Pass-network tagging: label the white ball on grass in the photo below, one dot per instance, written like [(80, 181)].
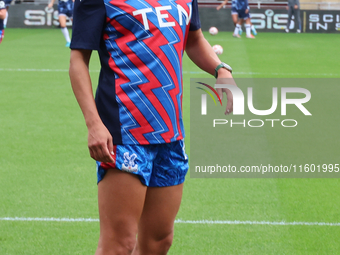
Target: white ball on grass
[(213, 31), (218, 49)]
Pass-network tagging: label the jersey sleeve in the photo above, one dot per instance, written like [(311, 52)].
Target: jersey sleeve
[(195, 23), (88, 24)]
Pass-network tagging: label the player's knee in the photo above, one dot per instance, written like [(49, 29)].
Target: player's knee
[(117, 244), (160, 245), (126, 245), (166, 243)]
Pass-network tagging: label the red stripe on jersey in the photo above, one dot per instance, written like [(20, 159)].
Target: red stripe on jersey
[(145, 125)]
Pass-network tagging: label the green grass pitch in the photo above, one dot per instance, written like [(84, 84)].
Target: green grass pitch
[(46, 171)]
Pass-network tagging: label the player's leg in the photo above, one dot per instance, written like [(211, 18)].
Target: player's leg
[(240, 29), (248, 28), (7, 3), (290, 13), (6, 18), (237, 28), (162, 201), (234, 17), (121, 198), (297, 19), (64, 30), (253, 29), (156, 226)]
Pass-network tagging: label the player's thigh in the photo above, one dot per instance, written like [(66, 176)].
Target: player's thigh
[(121, 199), (160, 209)]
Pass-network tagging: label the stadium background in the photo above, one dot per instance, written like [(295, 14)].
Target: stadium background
[(269, 16)]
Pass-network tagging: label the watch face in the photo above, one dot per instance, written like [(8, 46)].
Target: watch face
[(223, 65), (226, 66)]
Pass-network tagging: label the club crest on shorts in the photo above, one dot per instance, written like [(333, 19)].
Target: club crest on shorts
[(129, 164)]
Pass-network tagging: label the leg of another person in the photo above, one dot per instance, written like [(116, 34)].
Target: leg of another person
[(64, 30)]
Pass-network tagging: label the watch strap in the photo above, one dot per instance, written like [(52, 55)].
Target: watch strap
[(222, 65)]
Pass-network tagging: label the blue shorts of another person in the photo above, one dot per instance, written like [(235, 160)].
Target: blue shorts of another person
[(8, 2), (234, 10), (66, 8), (242, 14)]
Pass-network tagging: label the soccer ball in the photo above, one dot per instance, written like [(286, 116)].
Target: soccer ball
[(213, 31), (218, 49)]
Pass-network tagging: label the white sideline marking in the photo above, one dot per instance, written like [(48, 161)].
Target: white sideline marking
[(37, 70), (184, 72), (49, 219), (238, 222), (220, 222), (32, 70), (257, 73)]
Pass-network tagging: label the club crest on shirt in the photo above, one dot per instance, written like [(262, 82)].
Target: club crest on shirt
[(129, 164)]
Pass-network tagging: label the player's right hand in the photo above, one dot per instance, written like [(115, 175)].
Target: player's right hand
[(100, 143), (225, 77)]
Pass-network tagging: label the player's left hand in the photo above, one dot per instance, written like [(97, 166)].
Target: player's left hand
[(296, 6), (246, 11), (225, 77)]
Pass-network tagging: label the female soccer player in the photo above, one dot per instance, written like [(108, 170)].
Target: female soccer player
[(135, 124), (65, 9), (240, 14)]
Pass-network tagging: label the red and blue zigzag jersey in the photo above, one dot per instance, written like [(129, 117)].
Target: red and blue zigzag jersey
[(140, 45)]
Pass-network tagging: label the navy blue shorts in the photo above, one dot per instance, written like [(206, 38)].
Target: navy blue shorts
[(66, 8), (8, 2), (242, 14), (233, 10), (156, 165)]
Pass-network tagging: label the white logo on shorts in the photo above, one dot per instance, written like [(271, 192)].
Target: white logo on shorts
[(129, 164)]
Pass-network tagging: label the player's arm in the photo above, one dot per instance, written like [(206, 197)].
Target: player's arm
[(221, 5), (2, 10), (99, 138), (201, 53), (50, 5), (247, 6), (3, 13)]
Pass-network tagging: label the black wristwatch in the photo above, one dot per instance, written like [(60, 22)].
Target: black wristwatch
[(222, 65)]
